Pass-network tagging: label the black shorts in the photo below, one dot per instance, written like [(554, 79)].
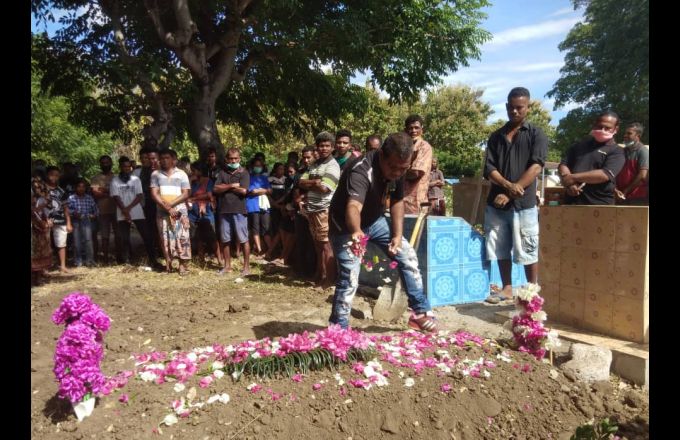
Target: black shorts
[(203, 230), (259, 223)]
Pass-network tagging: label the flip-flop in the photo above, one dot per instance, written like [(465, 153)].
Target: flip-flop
[(497, 298)]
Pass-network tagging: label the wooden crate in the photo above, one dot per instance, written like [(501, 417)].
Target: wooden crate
[(594, 265)]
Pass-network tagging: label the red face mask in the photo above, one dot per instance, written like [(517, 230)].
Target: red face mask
[(601, 135)]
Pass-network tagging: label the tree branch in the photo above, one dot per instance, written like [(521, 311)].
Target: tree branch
[(185, 25), (254, 57), (154, 14)]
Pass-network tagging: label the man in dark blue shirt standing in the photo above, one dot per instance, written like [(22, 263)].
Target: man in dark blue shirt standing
[(515, 155)]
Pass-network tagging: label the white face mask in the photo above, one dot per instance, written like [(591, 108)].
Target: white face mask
[(629, 143)]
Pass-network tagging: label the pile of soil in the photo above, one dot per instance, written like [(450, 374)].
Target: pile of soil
[(522, 399)]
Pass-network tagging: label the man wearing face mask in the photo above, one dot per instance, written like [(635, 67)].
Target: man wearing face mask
[(589, 169), (631, 183)]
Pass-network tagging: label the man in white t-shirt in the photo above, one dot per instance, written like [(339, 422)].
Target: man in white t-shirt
[(170, 190), (126, 191)]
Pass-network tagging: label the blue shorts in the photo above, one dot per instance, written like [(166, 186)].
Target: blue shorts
[(233, 224), (509, 230)]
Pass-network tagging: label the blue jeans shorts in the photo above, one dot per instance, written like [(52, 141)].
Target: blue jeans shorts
[(511, 233), (233, 224)]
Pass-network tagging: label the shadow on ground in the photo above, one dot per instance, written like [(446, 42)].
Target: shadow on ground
[(483, 311), (57, 410), (275, 329)]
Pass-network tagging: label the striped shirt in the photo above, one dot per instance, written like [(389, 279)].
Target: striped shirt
[(329, 170)]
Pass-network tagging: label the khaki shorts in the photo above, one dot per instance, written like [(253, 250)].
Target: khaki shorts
[(60, 234), (318, 225)]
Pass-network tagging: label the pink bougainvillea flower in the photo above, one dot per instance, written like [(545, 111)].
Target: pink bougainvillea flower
[(445, 388), (123, 398), (206, 381), (526, 368), (393, 264), (316, 386), (297, 378)]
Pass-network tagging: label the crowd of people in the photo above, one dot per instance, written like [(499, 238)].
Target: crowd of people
[(210, 209), (328, 195)]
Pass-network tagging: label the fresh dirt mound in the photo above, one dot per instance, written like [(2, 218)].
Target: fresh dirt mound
[(150, 312)]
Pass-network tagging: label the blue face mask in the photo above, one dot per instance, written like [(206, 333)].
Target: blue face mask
[(233, 166), (257, 170)]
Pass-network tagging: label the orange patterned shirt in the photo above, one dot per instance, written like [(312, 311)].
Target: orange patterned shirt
[(415, 191)]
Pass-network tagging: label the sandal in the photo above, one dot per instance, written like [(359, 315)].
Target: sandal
[(425, 323), (497, 298)]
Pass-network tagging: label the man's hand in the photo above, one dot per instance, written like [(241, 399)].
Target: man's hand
[(619, 194), (573, 190), (501, 200), (568, 180), (516, 190), (126, 214), (69, 227), (394, 247)]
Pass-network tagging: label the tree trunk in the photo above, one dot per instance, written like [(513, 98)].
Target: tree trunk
[(203, 125)]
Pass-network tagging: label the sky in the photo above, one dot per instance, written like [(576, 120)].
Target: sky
[(523, 52)]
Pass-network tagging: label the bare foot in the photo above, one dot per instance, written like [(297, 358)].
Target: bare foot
[(245, 272), (64, 270), (224, 271)]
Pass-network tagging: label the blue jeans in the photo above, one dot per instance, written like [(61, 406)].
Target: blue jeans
[(82, 241), (349, 266)]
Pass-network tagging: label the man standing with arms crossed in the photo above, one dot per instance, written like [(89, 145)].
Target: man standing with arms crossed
[(417, 178), (515, 155)]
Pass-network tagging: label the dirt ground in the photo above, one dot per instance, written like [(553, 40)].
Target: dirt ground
[(522, 399)]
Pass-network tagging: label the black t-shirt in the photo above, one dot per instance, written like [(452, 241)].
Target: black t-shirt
[(589, 155), (231, 202), (529, 146), (363, 181)]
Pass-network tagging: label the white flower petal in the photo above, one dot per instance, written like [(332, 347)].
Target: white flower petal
[(170, 419)]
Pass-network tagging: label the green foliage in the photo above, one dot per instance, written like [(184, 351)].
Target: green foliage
[(606, 67), (602, 431), (55, 139), (260, 67), (455, 126), (278, 366)]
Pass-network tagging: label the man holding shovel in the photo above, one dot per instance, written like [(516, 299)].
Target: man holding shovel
[(357, 216)]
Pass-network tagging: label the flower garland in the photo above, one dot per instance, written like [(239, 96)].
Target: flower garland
[(79, 350), (527, 323)]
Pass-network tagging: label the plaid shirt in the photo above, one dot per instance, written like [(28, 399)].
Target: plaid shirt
[(84, 206)]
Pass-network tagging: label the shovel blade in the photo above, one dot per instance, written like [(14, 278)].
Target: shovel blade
[(391, 304)]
